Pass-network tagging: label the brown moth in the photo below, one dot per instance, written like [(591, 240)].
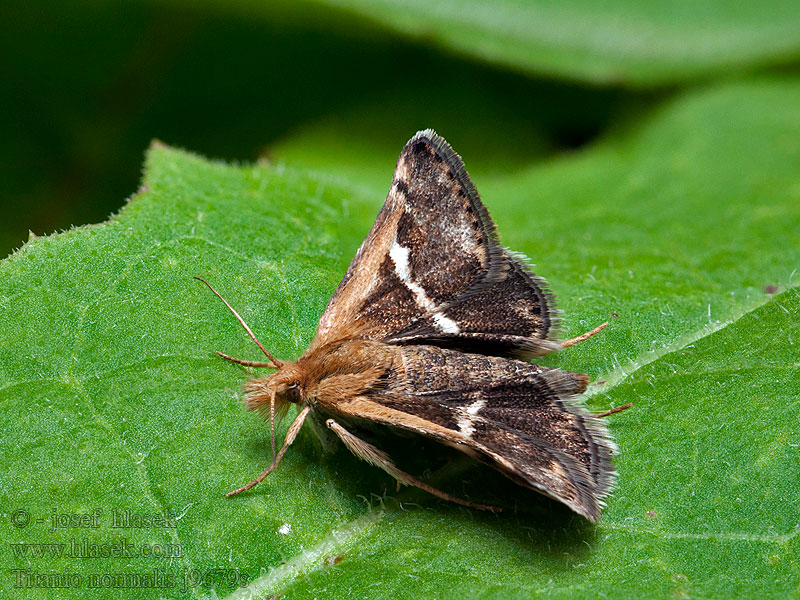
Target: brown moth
[(428, 332)]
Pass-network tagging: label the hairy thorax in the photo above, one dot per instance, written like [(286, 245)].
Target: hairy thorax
[(335, 372)]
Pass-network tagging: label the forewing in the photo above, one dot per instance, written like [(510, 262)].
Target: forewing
[(520, 418), (512, 314), (431, 267), (404, 270)]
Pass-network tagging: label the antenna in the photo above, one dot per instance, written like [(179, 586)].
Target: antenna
[(273, 363)]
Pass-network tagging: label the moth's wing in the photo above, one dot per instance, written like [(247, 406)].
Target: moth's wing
[(431, 268), (511, 315), (519, 418)]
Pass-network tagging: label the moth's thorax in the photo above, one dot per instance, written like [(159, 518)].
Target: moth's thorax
[(345, 357), (359, 363)]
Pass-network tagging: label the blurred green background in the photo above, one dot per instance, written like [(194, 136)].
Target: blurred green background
[(88, 85)]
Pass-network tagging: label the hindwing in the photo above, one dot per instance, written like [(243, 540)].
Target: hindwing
[(520, 418)]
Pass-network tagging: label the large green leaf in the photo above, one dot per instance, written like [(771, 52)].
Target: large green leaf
[(620, 42), (680, 227)]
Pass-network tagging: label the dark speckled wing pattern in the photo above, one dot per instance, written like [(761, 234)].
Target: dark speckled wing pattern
[(517, 417), (431, 269)]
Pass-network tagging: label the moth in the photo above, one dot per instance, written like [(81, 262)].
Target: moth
[(429, 332)]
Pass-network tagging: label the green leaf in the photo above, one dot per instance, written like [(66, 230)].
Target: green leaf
[(111, 398), (621, 42)]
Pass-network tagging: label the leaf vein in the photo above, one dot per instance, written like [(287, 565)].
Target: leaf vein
[(731, 536), (621, 373), (311, 559)]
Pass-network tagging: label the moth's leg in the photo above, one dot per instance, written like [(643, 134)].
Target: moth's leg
[(614, 410), (584, 337), (246, 363), (294, 429), (369, 453)]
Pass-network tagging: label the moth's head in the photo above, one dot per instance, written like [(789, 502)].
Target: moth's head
[(275, 392)]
